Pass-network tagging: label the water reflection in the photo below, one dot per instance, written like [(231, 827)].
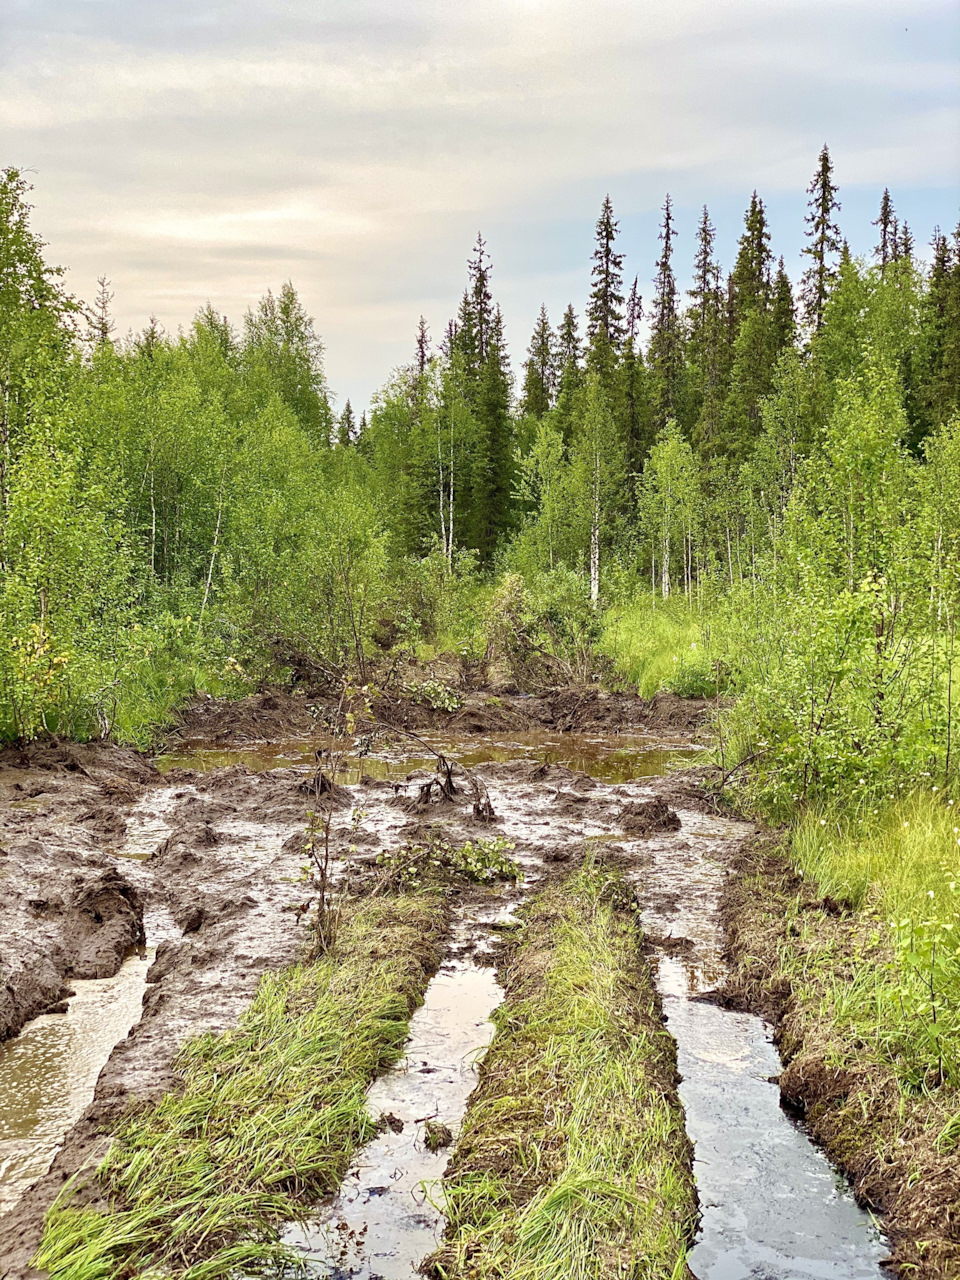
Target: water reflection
[(610, 758)]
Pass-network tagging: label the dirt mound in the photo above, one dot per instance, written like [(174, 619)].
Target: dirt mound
[(261, 717), (279, 714), (61, 920), (648, 817)]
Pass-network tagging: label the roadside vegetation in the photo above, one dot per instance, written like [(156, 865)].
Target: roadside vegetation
[(573, 1160), (268, 1116)]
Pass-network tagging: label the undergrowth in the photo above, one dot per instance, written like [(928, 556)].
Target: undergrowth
[(573, 1160), (267, 1119), (412, 866), (659, 645), (898, 863)]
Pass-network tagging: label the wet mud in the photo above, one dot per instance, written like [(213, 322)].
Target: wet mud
[(388, 1215), (201, 860)]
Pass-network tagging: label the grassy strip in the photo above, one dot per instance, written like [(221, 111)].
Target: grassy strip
[(855, 1021), (573, 1163), (268, 1117)]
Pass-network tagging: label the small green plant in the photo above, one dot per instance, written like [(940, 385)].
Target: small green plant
[(414, 866), (433, 693)]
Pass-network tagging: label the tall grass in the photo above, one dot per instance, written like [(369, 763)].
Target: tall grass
[(658, 644), (898, 863), (267, 1119), (573, 1163)]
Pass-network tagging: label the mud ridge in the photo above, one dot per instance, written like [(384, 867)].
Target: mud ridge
[(856, 1109)]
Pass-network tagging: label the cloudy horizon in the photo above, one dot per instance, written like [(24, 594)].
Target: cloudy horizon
[(207, 152)]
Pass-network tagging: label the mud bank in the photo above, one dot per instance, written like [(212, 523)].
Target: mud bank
[(787, 946), (216, 883), (279, 715), (69, 911)]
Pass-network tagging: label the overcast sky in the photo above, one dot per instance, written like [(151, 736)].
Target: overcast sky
[(195, 149)]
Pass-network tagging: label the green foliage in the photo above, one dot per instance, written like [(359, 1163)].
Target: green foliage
[(414, 866), (898, 860), (433, 693), (657, 644)]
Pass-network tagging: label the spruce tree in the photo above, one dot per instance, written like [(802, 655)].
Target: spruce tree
[(824, 237), (481, 299), (754, 352), (939, 354), (706, 340), (346, 426), (569, 347), (492, 479), (634, 311), (887, 226), (605, 332), (783, 320), (423, 347), (665, 356), (540, 370), (570, 368), (101, 326), (750, 280)]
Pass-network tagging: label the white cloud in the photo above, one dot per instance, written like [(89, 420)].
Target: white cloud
[(203, 150)]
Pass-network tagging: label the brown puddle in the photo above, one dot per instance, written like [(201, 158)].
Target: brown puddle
[(48, 1072), (630, 756)]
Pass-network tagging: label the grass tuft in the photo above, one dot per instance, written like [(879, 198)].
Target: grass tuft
[(573, 1163), (268, 1117)]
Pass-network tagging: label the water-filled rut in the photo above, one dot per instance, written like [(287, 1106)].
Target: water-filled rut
[(213, 849)]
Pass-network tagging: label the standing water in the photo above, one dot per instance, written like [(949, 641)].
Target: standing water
[(48, 1072), (388, 1214), (772, 1207)]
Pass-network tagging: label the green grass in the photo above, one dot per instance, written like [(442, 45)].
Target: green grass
[(573, 1163), (268, 1117), (899, 865), (658, 644)]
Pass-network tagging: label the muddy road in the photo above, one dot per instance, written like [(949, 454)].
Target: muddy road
[(148, 897)]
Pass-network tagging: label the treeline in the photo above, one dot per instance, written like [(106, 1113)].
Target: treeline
[(188, 511), (171, 512)]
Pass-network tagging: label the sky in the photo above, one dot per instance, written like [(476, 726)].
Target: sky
[(196, 150)]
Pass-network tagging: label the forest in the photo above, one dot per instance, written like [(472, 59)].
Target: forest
[(746, 492)]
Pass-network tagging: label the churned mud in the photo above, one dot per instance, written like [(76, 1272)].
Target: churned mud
[(199, 858)]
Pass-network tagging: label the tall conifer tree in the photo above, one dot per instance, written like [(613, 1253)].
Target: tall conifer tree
[(886, 224), (540, 369), (823, 234), (666, 342), (605, 332), (423, 347)]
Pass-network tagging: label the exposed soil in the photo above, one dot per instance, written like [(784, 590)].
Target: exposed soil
[(278, 714), (69, 911), (885, 1140), (208, 866)]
